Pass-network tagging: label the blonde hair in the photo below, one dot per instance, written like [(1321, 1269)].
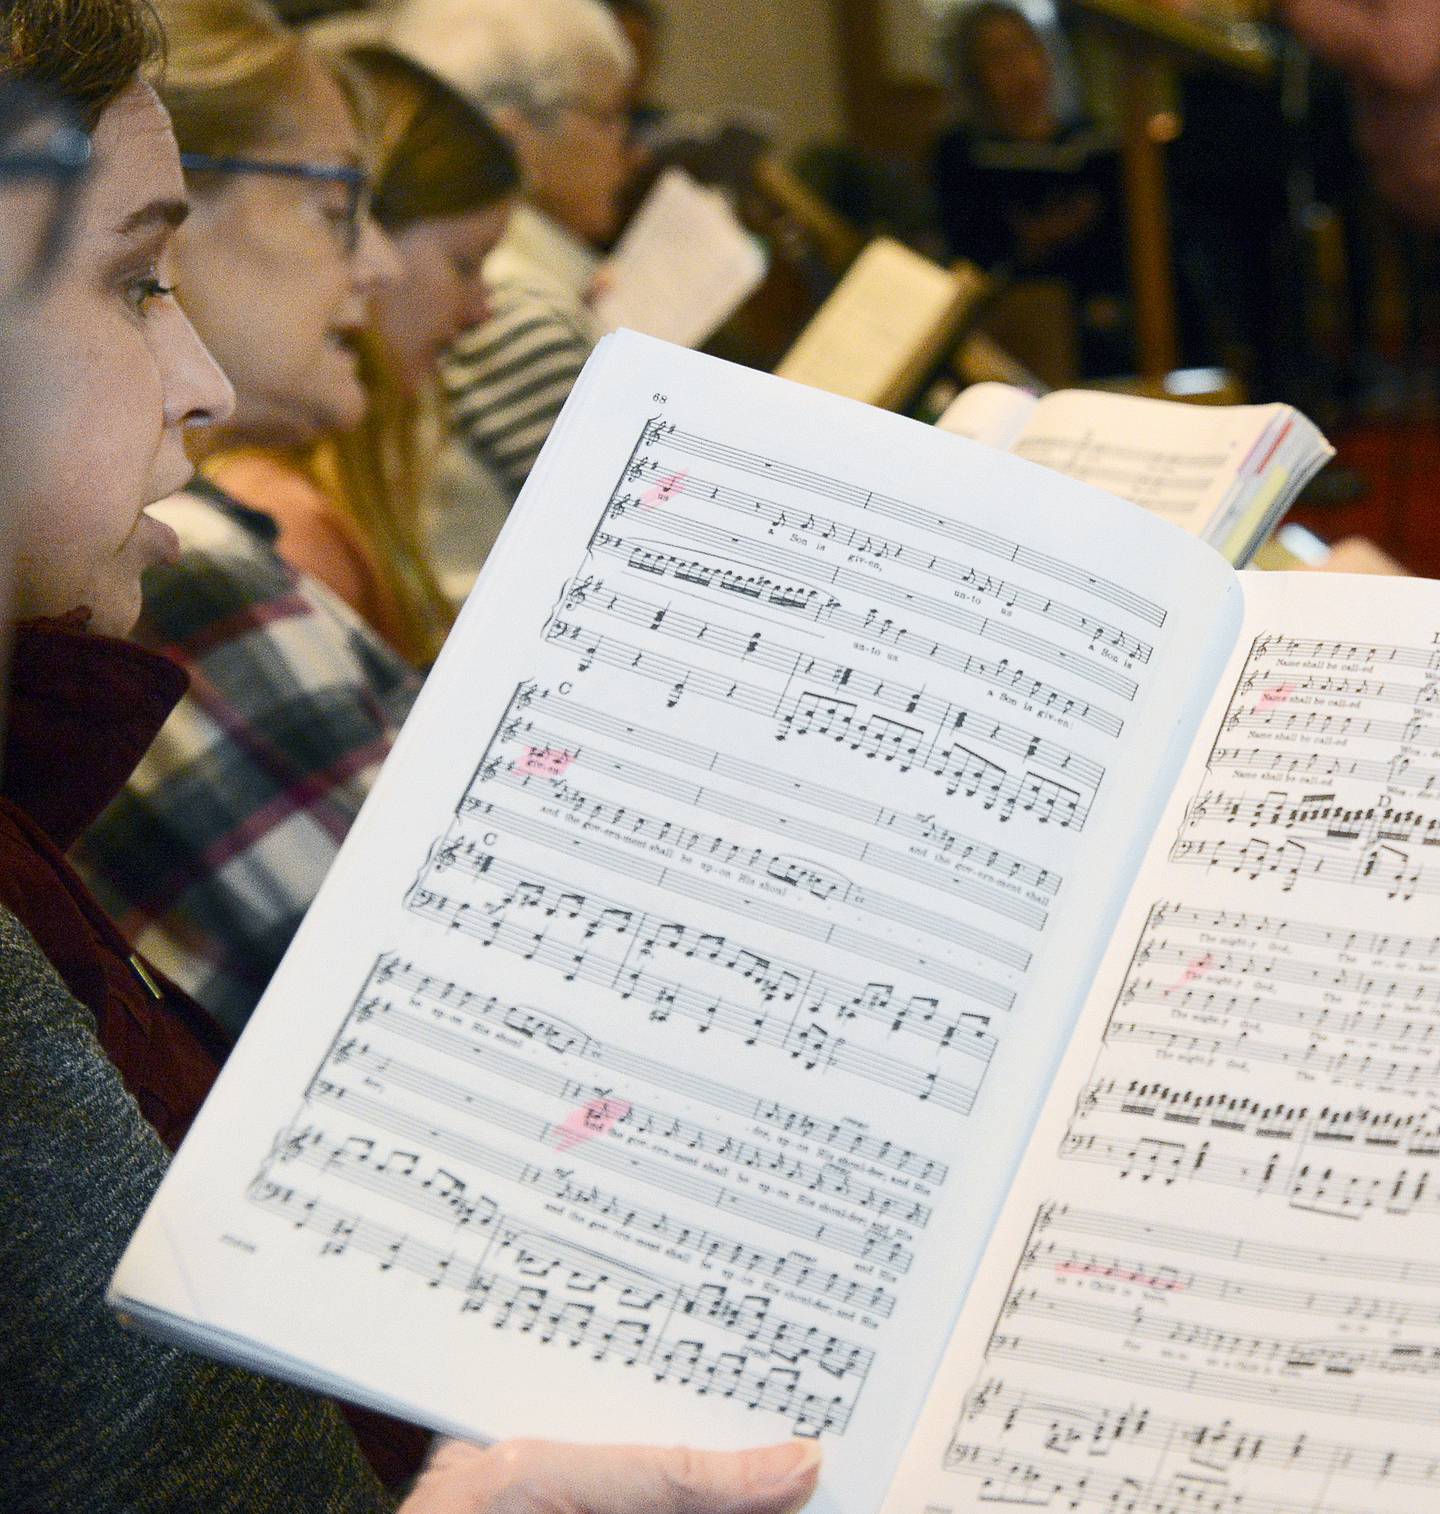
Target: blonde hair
[(237, 78), (233, 74)]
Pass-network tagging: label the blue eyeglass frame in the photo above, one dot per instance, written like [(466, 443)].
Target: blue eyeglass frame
[(355, 179)]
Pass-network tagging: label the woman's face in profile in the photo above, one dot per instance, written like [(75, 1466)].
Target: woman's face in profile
[(113, 375), (579, 162), (277, 282), (443, 292)]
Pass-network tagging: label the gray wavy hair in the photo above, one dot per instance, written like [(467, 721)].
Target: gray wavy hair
[(533, 55)]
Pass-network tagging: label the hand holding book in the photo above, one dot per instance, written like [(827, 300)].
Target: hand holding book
[(543, 1477)]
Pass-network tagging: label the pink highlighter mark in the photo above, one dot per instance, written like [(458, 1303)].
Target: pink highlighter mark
[(545, 761), (1197, 969), (1121, 1275), (597, 1118), (1277, 694), (663, 492)]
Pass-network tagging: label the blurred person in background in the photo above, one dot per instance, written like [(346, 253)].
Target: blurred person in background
[(222, 837), (348, 502), (556, 77), (104, 1063), (1022, 190)]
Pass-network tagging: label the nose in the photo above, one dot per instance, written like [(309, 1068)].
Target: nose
[(197, 393), (375, 265)]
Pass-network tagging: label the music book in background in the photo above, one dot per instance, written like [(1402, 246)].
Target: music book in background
[(864, 937), (890, 321), (683, 267), (1227, 474)]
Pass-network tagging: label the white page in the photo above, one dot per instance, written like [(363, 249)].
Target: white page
[(993, 414), (683, 267), (886, 322), (1215, 1285), (1180, 462), (685, 991)]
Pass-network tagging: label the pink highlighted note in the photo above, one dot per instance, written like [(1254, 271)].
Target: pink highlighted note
[(1275, 695), (664, 491), (1121, 1275), (545, 762), (1197, 969), (597, 1118)]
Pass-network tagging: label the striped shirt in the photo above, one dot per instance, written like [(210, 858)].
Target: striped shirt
[(506, 380)]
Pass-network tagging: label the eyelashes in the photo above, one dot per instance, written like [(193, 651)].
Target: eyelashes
[(147, 288)]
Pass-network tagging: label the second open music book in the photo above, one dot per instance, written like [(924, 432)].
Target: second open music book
[(864, 937)]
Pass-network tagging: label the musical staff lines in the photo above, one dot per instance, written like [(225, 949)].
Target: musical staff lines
[(386, 1114), (800, 997), (659, 432), (1211, 999), (555, 726), (1333, 784), (1101, 1298), (557, 1290), (600, 915), (817, 879), (723, 574), (1103, 1432), (448, 1005), (821, 710), (623, 864), (437, 1108)]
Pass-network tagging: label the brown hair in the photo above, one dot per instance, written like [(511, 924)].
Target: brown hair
[(83, 52), (436, 155)]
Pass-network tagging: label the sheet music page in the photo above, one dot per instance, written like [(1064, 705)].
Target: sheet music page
[(994, 414), (684, 265), (1216, 1284), (1179, 461), (656, 1057)]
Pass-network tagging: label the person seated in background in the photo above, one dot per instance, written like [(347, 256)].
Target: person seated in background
[(102, 1061), (555, 77), (350, 504), (1023, 192), (221, 839)]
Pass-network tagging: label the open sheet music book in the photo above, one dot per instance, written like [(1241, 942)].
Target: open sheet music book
[(866, 937), (1227, 474), (890, 320), (683, 267)]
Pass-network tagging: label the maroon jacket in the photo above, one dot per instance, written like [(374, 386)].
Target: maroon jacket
[(83, 709)]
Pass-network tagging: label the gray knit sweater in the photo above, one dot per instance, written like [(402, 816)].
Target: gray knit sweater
[(94, 1418)]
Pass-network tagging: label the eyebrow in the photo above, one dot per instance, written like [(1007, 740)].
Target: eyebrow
[(156, 214)]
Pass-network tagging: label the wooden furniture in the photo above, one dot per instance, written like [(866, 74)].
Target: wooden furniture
[(1152, 43)]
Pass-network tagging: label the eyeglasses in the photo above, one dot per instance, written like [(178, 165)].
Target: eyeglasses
[(44, 160), (355, 180)]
